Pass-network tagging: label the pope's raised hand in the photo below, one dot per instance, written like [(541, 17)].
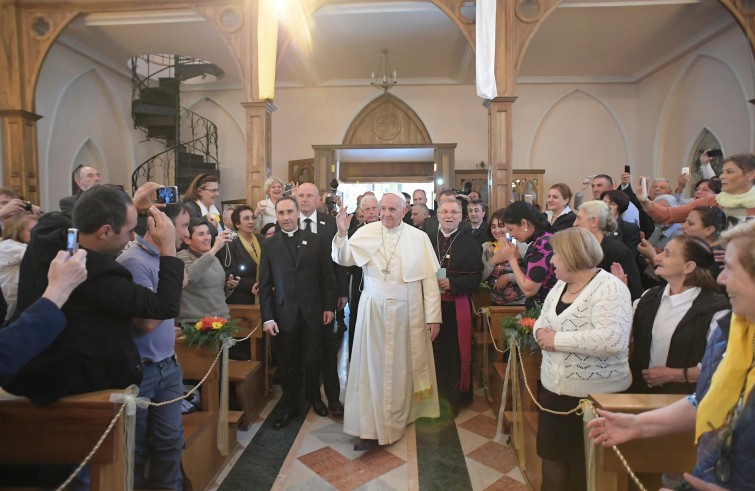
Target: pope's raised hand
[(343, 220)]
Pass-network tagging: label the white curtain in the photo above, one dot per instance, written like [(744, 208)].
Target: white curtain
[(485, 49)]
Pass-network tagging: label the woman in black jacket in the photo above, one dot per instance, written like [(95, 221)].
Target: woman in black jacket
[(560, 215), (672, 321)]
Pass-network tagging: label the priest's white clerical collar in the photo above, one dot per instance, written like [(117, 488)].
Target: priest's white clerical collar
[(395, 229), (447, 235), (290, 234)]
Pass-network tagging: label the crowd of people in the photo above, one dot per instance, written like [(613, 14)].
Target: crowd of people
[(628, 264)]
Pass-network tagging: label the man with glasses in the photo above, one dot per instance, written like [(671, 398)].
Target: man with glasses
[(460, 272)]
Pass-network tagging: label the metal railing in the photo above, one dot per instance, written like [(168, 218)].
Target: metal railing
[(194, 134)]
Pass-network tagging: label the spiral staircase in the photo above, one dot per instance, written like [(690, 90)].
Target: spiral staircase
[(190, 140)]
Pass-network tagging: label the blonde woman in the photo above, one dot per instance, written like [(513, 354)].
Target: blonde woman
[(583, 331), (265, 210)]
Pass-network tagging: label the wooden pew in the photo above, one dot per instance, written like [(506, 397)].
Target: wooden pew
[(201, 458), (649, 457), (64, 433), (249, 376)]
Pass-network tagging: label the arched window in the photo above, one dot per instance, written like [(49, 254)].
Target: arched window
[(705, 141)]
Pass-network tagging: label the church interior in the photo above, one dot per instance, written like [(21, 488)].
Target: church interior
[(370, 91)]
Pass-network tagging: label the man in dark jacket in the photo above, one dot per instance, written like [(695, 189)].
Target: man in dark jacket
[(297, 298), (97, 350)]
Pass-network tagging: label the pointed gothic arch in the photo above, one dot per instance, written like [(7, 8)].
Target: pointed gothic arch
[(387, 120)]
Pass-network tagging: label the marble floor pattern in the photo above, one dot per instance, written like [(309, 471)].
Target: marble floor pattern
[(453, 455), (322, 457)]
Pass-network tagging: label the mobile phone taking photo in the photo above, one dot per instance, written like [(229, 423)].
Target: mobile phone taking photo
[(72, 241)]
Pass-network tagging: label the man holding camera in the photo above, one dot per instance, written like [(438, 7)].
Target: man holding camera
[(97, 350)]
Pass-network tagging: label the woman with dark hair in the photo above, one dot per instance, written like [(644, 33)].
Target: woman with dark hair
[(242, 256), (707, 222), (705, 188), (618, 203), (268, 230), (208, 285), (560, 215), (595, 217), (503, 288), (532, 271), (672, 322), (736, 199), (201, 197)]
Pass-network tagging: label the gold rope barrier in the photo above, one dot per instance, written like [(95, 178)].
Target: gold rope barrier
[(155, 404)]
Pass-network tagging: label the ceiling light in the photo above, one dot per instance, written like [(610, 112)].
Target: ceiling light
[(384, 77)]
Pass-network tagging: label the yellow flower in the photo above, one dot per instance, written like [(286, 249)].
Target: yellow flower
[(217, 325), (198, 326)]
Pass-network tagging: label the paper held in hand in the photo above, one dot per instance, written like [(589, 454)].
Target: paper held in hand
[(440, 275)]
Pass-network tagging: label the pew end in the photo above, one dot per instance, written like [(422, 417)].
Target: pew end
[(648, 458), (64, 433)]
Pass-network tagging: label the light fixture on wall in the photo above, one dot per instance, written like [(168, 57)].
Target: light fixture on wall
[(384, 77)]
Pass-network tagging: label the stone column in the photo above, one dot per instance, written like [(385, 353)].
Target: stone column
[(19, 133), (499, 150), (258, 147)]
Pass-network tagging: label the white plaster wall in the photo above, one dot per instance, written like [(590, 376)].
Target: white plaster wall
[(83, 101), (306, 117), (224, 109), (571, 130), (707, 88)]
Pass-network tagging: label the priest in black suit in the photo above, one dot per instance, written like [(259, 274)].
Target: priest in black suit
[(297, 298), (460, 258)]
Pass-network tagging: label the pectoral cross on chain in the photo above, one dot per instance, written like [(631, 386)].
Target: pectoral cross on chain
[(385, 272)]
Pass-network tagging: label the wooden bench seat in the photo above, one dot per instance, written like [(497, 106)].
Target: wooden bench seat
[(64, 433)]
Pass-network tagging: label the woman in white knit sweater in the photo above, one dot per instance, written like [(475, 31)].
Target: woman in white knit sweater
[(583, 331)]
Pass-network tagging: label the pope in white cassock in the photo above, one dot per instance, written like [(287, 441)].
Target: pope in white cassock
[(391, 379)]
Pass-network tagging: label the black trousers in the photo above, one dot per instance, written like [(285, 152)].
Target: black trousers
[(298, 354)]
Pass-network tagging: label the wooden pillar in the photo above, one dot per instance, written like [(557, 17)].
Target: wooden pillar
[(445, 164), (499, 150), (19, 130), (324, 165), (258, 147)]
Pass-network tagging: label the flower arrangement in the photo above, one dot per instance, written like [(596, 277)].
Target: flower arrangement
[(520, 328), (208, 330)]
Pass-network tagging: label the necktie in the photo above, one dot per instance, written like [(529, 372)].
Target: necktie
[(308, 225)]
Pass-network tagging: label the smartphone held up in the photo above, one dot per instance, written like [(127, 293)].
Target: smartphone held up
[(72, 241)]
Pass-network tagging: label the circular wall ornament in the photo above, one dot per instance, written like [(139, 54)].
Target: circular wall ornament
[(528, 10), (231, 19), (387, 126), (41, 27), (467, 11)]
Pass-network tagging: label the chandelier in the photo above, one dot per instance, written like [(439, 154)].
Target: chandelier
[(384, 78)]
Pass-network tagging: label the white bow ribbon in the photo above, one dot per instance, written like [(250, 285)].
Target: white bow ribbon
[(131, 401)]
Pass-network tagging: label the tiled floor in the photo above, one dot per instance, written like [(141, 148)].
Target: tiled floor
[(322, 455)]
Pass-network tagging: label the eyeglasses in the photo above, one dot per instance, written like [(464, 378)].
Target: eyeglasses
[(213, 191)]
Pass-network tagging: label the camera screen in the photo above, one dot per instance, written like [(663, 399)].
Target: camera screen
[(167, 195)]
